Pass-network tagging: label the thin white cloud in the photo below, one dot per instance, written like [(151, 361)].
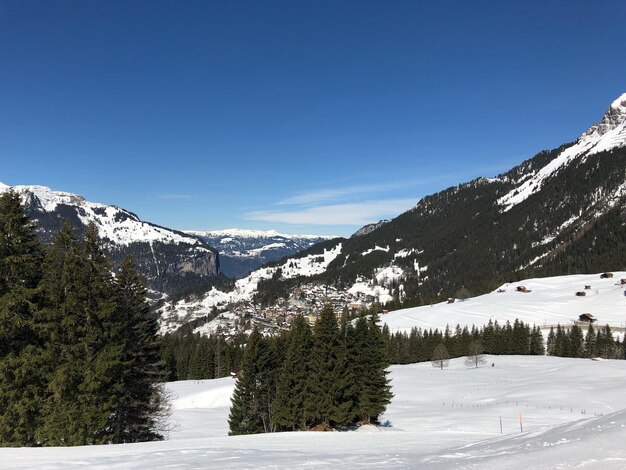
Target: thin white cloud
[(325, 195), (360, 213), (175, 196)]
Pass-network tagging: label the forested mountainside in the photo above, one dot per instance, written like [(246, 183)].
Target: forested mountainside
[(560, 212)]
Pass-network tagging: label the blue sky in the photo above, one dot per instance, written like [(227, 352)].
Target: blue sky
[(301, 116)]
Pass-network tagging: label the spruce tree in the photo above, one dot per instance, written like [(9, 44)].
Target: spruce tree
[(327, 400), (138, 402), (290, 392), (248, 410), (537, 347), (21, 381), (63, 314), (590, 342), (378, 384)]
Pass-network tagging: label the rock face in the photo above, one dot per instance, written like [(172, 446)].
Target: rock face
[(369, 228), (172, 262)]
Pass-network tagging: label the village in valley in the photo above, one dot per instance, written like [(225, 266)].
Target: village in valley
[(306, 300)]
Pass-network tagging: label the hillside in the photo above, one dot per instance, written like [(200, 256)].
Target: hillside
[(437, 420), (550, 301)]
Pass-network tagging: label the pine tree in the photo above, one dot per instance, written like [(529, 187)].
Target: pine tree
[(63, 314), (290, 392), (378, 387), (576, 342), (21, 383), (249, 404), (537, 347), (138, 401), (327, 401)]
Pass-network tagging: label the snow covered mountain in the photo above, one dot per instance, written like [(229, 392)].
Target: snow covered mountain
[(242, 251), (560, 212), (610, 133), (171, 261)]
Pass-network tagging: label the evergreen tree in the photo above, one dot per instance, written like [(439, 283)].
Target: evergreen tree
[(576, 342), (290, 392), (21, 381), (65, 304), (326, 388), (590, 342), (249, 411), (537, 347), (377, 386), (138, 402)]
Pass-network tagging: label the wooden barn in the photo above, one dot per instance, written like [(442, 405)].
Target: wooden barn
[(588, 318)]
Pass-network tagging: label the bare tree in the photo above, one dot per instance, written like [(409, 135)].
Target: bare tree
[(441, 358), (475, 356), (463, 294)]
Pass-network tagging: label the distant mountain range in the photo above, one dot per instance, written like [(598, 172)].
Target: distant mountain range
[(242, 251)]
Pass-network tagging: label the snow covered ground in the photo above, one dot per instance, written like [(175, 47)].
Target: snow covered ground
[(552, 300), (573, 415)]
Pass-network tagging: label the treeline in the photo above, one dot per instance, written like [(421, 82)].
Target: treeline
[(79, 358), (332, 376), (196, 357), (573, 342), (419, 345)]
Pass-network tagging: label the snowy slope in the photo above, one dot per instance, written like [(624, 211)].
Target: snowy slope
[(164, 256), (552, 300), (116, 225), (573, 415), (608, 134)]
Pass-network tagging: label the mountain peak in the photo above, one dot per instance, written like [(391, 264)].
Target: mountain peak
[(609, 133), (620, 103)]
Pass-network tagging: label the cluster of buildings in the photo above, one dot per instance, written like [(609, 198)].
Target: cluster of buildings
[(307, 300)]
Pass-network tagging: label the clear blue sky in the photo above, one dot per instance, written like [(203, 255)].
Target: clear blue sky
[(303, 116)]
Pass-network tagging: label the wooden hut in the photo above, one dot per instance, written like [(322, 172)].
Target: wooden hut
[(588, 318)]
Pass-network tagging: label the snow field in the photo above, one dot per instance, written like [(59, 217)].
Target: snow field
[(551, 301), (573, 413)]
